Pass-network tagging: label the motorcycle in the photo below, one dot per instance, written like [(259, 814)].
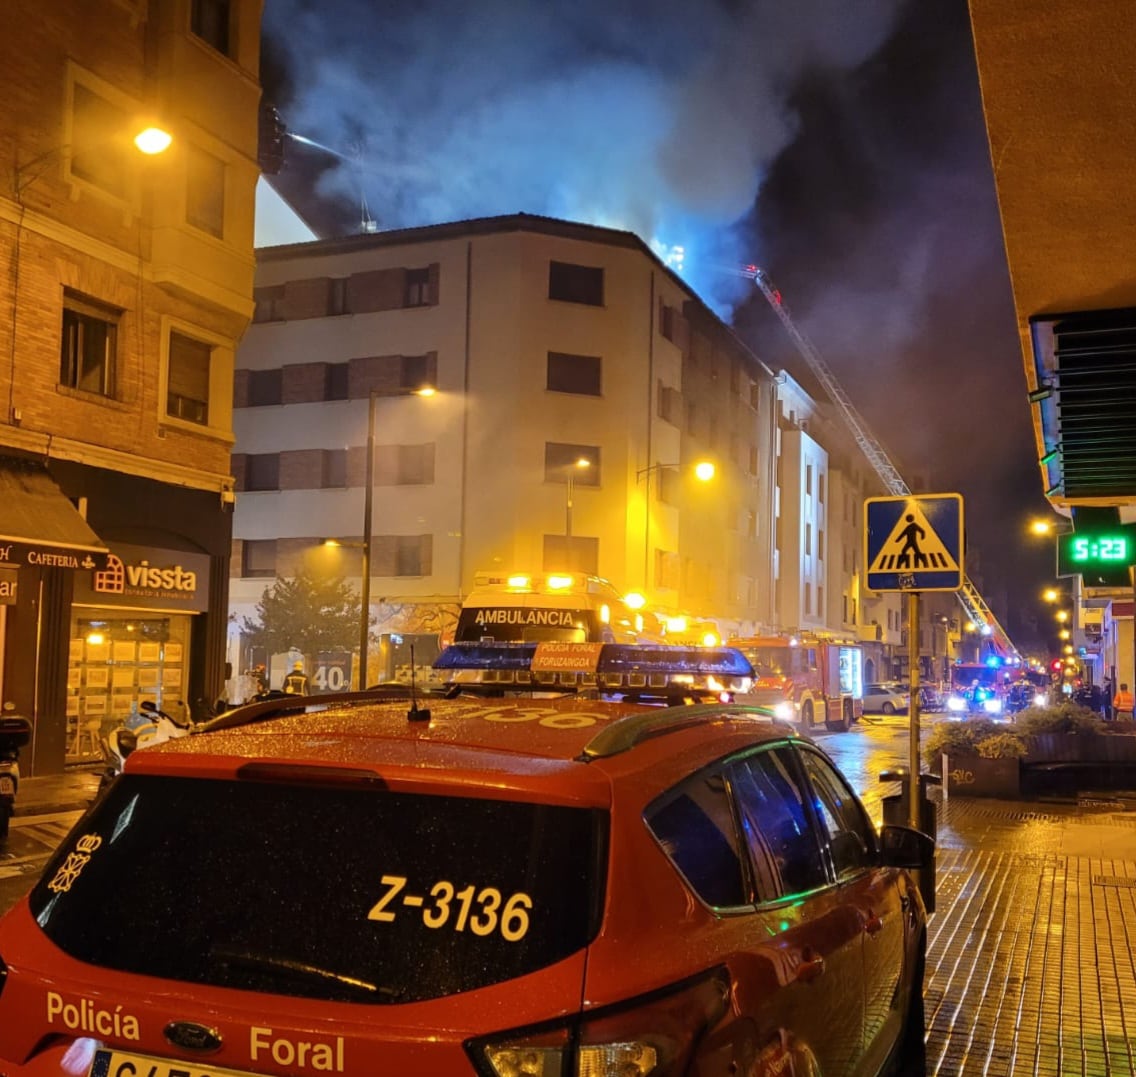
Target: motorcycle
[(152, 726), (14, 735)]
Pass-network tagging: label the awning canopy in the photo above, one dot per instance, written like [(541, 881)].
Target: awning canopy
[(39, 526)]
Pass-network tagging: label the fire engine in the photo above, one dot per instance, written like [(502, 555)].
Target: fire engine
[(808, 678)]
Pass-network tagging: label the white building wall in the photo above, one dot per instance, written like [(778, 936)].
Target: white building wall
[(490, 506)]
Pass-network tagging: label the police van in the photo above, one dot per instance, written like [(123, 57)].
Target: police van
[(549, 607)]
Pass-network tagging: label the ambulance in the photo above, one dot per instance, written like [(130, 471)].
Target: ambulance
[(546, 607)]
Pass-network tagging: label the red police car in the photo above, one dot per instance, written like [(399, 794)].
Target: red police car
[(487, 884)]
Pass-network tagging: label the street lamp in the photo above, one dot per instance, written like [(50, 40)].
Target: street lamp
[(368, 510), (150, 140), (579, 465), (704, 471)]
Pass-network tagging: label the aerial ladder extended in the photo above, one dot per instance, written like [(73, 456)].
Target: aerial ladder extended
[(972, 602)]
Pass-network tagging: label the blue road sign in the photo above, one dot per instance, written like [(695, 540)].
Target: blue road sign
[(914, 543)]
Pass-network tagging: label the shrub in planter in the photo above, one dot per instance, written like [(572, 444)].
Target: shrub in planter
[(982, 757), (951, 737), (1002, 746), (1063, 718)]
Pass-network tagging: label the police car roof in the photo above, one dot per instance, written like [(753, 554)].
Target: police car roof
[(519, 740)]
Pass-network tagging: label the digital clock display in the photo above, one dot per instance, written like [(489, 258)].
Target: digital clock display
[(1098, 555), (1112, 548)]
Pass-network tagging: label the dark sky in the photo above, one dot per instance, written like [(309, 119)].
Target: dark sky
[(840, 146)]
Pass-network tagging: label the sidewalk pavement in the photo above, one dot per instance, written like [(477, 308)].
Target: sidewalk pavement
[(53, 793), (1030, 958)]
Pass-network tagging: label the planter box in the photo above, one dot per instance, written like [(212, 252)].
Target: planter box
[(1080, 748), (975, 776)]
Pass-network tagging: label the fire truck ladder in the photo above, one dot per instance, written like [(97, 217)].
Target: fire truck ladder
[(972, 602)]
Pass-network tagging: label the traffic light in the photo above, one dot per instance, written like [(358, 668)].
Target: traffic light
[(271, 132)]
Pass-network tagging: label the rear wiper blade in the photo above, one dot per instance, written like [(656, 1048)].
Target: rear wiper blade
[(248, 959)]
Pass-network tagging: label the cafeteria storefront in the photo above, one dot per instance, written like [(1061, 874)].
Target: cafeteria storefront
[(113, 590)]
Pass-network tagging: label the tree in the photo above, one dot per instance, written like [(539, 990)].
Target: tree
[(305, 613)]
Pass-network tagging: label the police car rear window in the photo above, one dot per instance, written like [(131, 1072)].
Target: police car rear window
[(326, 892)]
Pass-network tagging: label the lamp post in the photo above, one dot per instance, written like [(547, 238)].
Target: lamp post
[(368, 511), (582, 464), (704, 471)]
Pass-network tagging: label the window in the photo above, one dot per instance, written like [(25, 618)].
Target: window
[(808, 599), (581, 553), (269, 303), (205, 192), (187, 393), (258, 558), (576, 284), (851, 839), (336, 382), (561, 460), (783, 846), (403, 555), (209, 20), (98, 154), (87, 350), (265, 387), (574, 373), (334, 474), (417, 288), (695, 827), (262, 471), (417, 372), (808, 478), (808, 539), (670, 403), (404, 465)]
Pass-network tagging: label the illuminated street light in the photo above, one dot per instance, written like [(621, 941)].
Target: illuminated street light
[(368, 515), (1062, 615), (704, 471), (153, 140), (150, 140), (1051, 594), (1050, 527)]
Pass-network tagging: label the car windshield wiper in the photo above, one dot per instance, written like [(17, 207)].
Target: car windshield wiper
[(301, 969)]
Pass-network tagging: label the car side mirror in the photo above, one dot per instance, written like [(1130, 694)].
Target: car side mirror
[(902, 847)]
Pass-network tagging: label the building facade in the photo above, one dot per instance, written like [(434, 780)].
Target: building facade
[(548, 343), (129, 282)]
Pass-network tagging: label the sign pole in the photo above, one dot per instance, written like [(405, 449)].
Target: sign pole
[(913, 710)]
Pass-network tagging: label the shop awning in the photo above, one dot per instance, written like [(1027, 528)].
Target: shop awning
[(39, 526)]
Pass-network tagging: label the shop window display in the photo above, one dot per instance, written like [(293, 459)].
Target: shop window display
[(115, 663)]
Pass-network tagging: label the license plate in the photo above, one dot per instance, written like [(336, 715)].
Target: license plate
[(7, 786), (124, 1064)]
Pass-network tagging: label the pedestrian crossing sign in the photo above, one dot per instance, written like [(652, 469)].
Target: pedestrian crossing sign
[(914, 543)]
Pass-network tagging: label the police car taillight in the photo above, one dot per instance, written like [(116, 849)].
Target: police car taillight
[(656, 1037)]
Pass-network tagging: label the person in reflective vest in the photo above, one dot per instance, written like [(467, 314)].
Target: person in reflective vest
[(1123, 703), (296, 683)]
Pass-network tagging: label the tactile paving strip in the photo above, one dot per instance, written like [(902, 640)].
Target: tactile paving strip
[(1030, 965)]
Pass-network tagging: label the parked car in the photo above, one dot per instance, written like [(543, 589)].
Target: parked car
[(484, 885), (931, 699), (887, 698)]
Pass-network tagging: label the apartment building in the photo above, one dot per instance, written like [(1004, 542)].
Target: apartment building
[(548, 343), (128, 279)]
